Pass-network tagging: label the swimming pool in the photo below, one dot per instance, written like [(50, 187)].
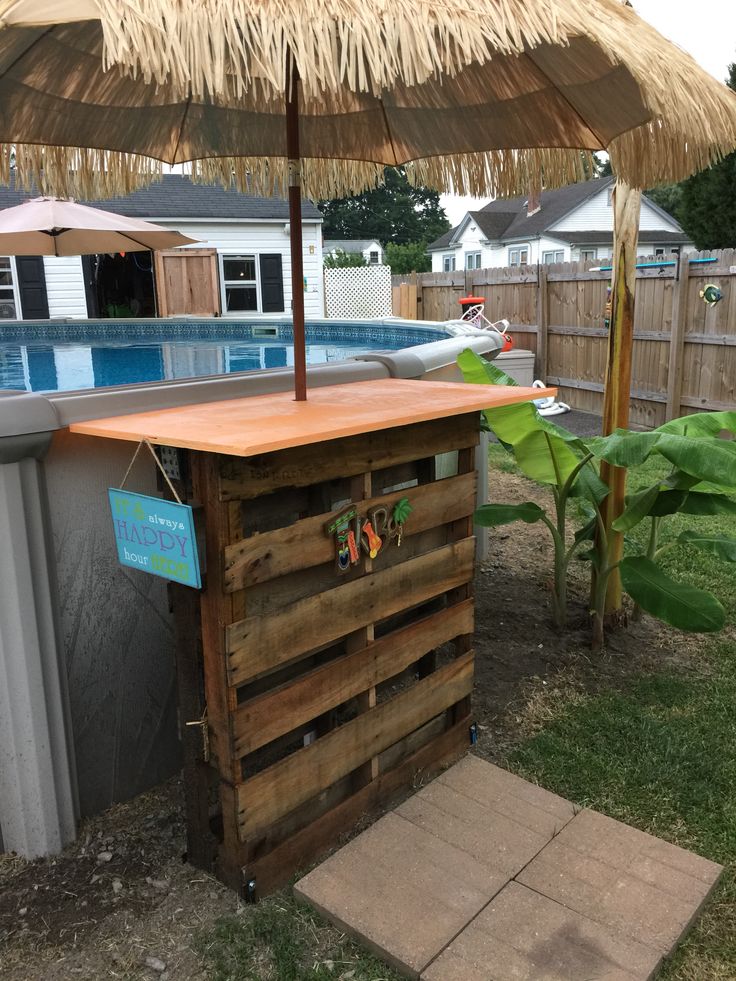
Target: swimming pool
[(48, 356)]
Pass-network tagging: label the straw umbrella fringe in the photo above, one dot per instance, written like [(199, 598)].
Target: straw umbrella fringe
[(493, 66), (99, 174)]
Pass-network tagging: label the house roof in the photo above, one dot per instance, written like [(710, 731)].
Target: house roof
[(606, 237), (349, 244), (176, 196), (506, 219), (443, 241)]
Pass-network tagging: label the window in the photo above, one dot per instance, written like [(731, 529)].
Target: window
[(8, 304), (448, 263), (675, 251), (659, 251), (558, 256), (472, 260), (518, 257), (609, 196), (373, 258), (240, 282), (587, 255)]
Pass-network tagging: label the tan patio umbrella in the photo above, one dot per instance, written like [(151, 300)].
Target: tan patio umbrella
[(49, 226), (490, 97)]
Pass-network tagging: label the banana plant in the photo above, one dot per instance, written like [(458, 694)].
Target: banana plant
[(703, 475), (549, 455)]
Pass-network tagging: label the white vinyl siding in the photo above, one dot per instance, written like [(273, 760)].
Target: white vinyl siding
[(596, 214)]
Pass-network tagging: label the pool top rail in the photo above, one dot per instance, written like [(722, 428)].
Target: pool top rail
[(264, 423)]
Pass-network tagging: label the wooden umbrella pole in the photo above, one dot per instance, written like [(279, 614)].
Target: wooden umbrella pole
[(295, 228), (626, 214)]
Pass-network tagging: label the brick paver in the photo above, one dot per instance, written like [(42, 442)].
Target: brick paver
[(483, 876)]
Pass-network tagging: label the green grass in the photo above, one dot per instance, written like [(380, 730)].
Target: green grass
[(661, 756), (501, 459), (279, 940)]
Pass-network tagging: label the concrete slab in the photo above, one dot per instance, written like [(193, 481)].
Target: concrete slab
[(524, 803), (482, 876), (527, 937), (496, 825), (633, 883), (401, 891)]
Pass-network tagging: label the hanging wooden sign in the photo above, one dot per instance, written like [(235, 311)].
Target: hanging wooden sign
[(155, 536)]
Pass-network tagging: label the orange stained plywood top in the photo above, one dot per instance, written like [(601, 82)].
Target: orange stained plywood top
[(262, 423)]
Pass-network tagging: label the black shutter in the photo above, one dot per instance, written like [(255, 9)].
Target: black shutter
[(34, 303), (272, 284)]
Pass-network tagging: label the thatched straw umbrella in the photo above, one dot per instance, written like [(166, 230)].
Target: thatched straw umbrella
[(489, 97)]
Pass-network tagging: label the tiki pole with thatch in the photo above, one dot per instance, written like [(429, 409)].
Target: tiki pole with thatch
[(617, 395)]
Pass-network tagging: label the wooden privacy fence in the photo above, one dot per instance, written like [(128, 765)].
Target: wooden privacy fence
[(684, 357)]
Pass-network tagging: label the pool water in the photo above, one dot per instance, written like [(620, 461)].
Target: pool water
[(47, 356)]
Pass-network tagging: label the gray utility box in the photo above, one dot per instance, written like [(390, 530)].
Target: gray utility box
[(518, 363)]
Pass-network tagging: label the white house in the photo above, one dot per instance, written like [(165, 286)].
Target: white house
[(241, 266), (564, 225), (371, 249)]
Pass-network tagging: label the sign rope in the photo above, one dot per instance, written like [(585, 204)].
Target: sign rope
[(144, 442)]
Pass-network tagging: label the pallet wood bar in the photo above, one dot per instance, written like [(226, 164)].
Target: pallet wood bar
[(324, 693)]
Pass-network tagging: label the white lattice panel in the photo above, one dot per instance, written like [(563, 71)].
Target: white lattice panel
[(357, 292)]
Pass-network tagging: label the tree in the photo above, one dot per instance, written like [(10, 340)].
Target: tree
[(708, 205), (602, 164), (395, 212), (408, 258), (669, 199), (344, 260)]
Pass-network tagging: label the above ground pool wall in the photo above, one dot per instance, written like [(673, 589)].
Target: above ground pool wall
[(116, 628), (111, 635)]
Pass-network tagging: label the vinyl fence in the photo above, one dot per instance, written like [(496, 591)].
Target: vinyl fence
[(684, 350)]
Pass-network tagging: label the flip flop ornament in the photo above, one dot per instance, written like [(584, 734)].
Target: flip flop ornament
[(353, 532)]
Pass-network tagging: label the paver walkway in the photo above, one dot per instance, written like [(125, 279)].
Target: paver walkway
[(482, 876)]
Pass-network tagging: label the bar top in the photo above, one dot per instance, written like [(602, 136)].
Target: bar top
[(263, 423)]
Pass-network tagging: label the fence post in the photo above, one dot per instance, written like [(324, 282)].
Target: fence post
[(542, 321), (677, 339)]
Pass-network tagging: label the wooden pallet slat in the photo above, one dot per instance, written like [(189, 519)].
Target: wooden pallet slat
[(268, 716), (243, 478), (304, 544), (269, 795), (259, 644)]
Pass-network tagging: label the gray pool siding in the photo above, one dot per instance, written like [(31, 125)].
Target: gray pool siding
[(116, 629)]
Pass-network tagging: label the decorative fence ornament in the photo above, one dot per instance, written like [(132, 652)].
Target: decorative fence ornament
[(711, 294), (353, 531)]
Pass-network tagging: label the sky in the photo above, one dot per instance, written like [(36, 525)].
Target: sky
[(704, 28)]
